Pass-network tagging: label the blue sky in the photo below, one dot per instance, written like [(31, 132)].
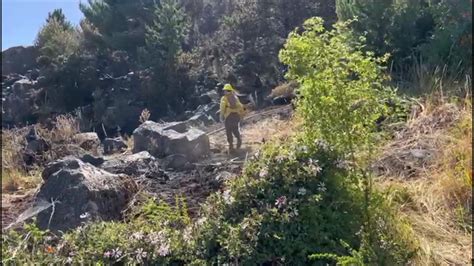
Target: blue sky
[(21, 19)]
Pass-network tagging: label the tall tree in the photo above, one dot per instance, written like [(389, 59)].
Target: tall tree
[(59, 16), (164, 39), (121, 24), (57, 38)]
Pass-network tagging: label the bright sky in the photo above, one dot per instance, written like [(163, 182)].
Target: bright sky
[(21, 19)]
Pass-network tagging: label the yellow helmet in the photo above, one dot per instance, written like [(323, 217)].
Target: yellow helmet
[(228, 87)]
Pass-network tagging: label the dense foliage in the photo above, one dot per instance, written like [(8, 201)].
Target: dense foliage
[(437, 31), (341, 87)]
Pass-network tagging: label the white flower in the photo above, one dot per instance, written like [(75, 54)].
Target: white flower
[(342, 164), (201, 221), (140, 254), (187, 235), (227, 197), (302, 191), (157, 238), (263, 172), (280, 159), (116, 253), (107, 254), (314, 166), (84, 215), (137, 236), (164, 250), (323, 145)]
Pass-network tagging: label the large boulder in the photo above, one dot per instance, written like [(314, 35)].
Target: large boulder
[(141, 164), (200, 120), (19, 59), (88, 141), (172, 138), (193, 143), (83, 192)]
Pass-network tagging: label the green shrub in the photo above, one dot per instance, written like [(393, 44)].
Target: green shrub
[(451, 41), (342, 87), (438, 32), (57, 39)]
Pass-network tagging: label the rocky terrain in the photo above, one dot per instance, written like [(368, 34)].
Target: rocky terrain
[(99, 179)]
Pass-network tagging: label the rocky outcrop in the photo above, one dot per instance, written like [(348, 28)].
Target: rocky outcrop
[(116, 105), (137, 165), (20, 101), (172, 138), (83, 192), (19, 59)]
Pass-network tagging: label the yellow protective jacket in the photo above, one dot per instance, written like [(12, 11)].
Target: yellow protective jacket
[(226, 109)]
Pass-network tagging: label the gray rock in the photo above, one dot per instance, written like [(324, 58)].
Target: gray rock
[(200, 120), (141, 164), (89, 141), (173, 138), (112, 145), (19, 104), (65, 150), (84, 193), (178, 162)]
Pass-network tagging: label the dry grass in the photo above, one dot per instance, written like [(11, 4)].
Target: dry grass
[(65, 127), (418, 145), (436, 197), (14, 173), (129, 141)]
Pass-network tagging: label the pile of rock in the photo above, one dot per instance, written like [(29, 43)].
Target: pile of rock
[(87, 186)]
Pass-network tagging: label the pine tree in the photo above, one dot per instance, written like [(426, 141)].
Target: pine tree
[(164, 39)]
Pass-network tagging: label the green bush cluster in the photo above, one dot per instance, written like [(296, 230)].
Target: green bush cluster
[(437, 32), (342, 88)]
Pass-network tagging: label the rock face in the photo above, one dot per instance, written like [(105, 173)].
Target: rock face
[(84, 193), (172, 138), (141, 164), (112, 145), (19, 59), (115, 103), (20, 102)]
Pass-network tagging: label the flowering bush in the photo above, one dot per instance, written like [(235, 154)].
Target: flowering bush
[(291, 202)]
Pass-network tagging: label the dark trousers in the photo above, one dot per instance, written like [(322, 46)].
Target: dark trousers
[(232, 129)]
